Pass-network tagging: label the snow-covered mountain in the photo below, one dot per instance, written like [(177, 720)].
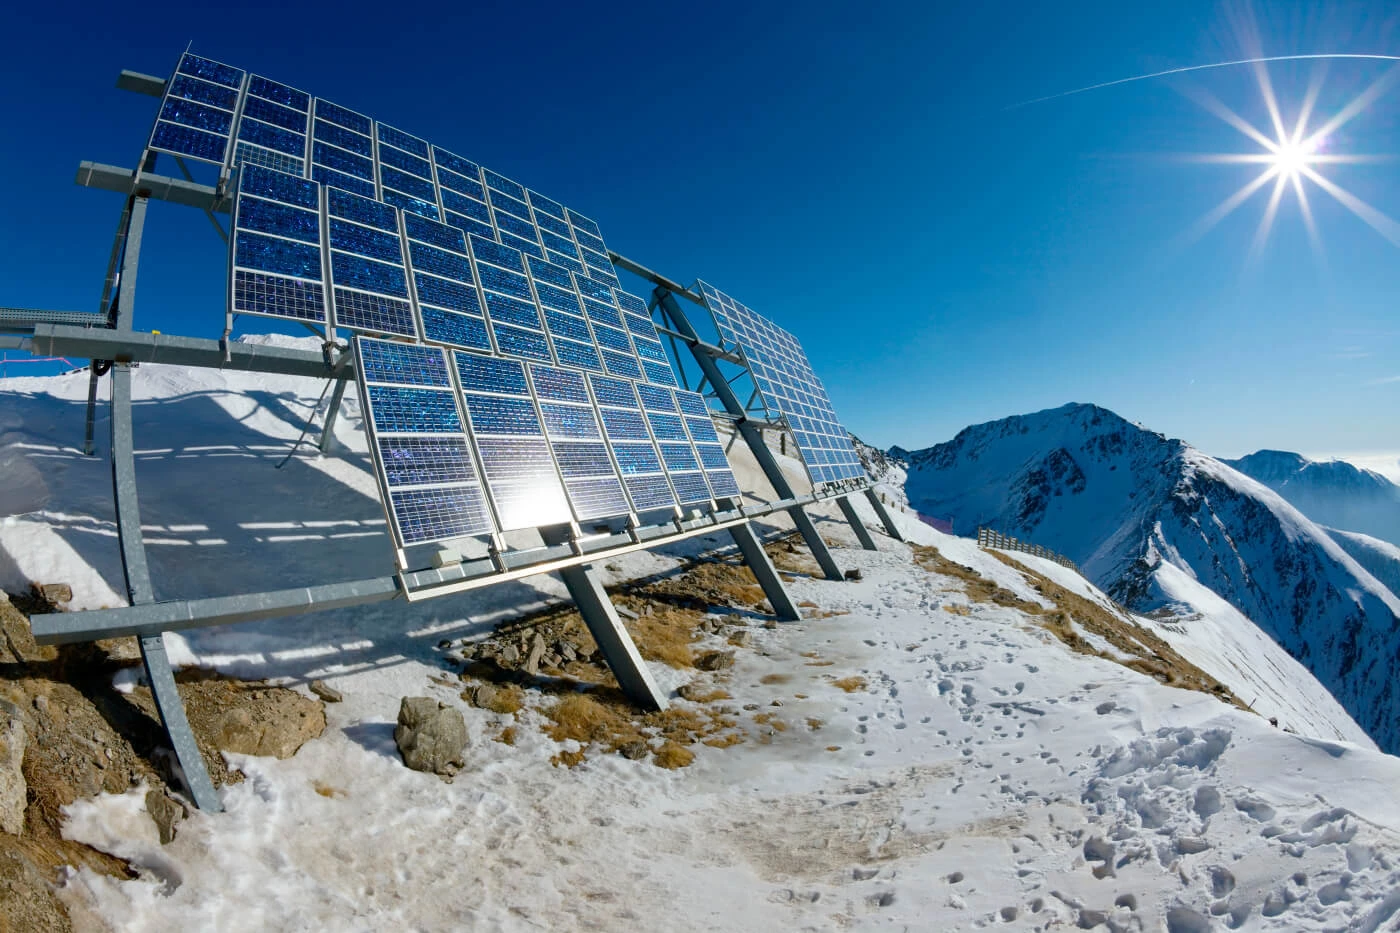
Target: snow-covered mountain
[(886, 471), (1142, 513), (1333, 493), (1381, 558)]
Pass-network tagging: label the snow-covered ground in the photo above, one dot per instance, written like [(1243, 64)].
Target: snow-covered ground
[(983, 776)]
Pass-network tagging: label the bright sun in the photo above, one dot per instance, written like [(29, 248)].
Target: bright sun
[(1289, 158)]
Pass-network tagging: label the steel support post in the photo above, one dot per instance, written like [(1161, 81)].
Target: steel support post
[(764, 571), (133, 547), (328, 425), (91, 422), (753, 435), (885, 519), (858, 526), (605, 625)]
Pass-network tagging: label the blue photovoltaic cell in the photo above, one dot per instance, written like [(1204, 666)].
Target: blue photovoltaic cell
[(569, 420), (270, 254), (496, 254), (589, 241), (437, 234), (458, 330), (711, 456), (213, 94), (509, 283), (666, 427), (567, 325), (275, 114), (387, 134), (342, 161), (486, 374), (409, 184), (692, 403), (520, 228), (343, 138), (505, 185), (373, 313), (210, 70), (270, 137), (597, 497), (600, 313), (610, 338), (702, 430), (461, 166), (364, 241), (199, 116), (568, 262), (355, 272), (438, 261), (413, 411), (679, 457), (690, 487), (558, 244), (654, 399), (649, 350), (281, 219), (559, 299), (615, 392), (362, 210), (528, 247), (402, 364), (525, 488), (558, 228), (723, 484), (659, 373), (463, 185), (454, 296), (275, 296), (619, 365), (515, 341), (420, 461), (467, 207), (596, 290), (346, 118), (624, 425), (333, 179), (580, 355), (506, 310), (650, 492), (582, 458), (541, 203), (437, 514), (410, 204), (287, 96), (185, 141), (583, 223), (492, 414), (510, 205), (637, 458), (559, 385)]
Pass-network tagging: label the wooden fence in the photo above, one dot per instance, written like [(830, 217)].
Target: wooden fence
[(987, 538)]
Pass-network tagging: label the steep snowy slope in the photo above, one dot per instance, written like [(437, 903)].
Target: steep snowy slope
[(1381, 558), (1333, 493), (1123, 501)]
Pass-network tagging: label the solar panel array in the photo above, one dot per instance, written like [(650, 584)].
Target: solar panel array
[(788, 387), (208, 104), (467, 444)]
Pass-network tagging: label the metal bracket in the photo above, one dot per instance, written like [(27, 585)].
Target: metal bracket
[(891, 528), (858, 526)]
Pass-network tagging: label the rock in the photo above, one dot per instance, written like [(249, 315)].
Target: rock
[(715, 660), (635, 750), (735, 619), (55, 594), (532, 662), (482, 697), (771, 623), (627, 613), (275, 723), (853, 574), (327, 693), (510, 655), (741, 639), (13, 789), (565, 650), (693, 691), (431, 736), (165, 812), (551, 660), (468, 650), (17, 640)]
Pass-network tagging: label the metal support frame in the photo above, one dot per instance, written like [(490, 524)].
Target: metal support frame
[(328, 425), (764, 571), (858, 526), (135, 567), (753, 435), (891, 528), (606, 627)]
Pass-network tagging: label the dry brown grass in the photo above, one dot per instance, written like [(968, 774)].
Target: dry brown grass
[(850, 684), (507, 736), (608, 723), (326, 790), (1070, 612), (772, 679), (672, 755), (772, 721), (709, 696)]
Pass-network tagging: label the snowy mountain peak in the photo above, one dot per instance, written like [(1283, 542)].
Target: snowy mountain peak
[(1125, 503)]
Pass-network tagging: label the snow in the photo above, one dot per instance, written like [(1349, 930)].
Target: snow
[(985, 776)]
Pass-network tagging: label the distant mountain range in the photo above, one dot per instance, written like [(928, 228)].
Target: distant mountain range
[(1136, 510), (1332, 493)]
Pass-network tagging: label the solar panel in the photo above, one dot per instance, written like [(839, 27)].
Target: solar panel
[(423, 461), (638, 459), (609, 330), (342, 149), (276, 248), (524, 486), (196, 114), (656, 365), (701, 428), (406, 173), (449, 305), (576, 439), (272, 127), (592, 249), (678, 454), (368, 277), (515, 319), (788, 387), (563, 315)]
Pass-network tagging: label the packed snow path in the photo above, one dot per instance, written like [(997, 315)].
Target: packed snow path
[(984, 776)]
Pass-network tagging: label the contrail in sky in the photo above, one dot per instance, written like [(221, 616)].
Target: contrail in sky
[(1177, 71)]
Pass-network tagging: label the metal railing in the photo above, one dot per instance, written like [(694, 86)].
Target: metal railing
[(987, 538)]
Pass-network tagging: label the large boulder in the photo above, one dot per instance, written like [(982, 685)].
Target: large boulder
[(431, 736), (13, 788)]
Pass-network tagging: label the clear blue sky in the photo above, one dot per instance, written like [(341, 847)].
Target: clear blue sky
[(850, 170)]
